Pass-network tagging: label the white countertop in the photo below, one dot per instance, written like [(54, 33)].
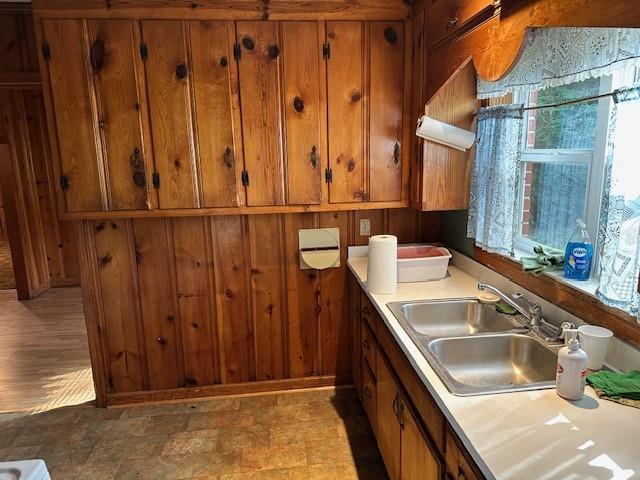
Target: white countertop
[(521, 435)]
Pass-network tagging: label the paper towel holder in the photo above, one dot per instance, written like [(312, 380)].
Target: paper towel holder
[(319, 248), (445, 133)]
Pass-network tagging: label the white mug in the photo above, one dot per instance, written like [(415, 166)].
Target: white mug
[(594, 341)]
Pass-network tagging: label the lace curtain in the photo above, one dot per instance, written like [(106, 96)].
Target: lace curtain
[(562, 55), (495, 179), (619, 233)]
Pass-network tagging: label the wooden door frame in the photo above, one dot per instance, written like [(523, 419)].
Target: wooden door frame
[(8, 186)]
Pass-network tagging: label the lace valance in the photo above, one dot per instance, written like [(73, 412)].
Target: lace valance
[(560, 55)]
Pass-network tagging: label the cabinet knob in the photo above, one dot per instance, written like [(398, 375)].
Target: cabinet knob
[(396, 153), (181, 71), (228, 157), (274, 51), (314, 156), (97, 54)]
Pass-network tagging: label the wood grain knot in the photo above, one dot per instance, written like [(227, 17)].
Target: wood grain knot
[(356, 97), (190, 382), (390, 35), (228, 293), (351, 166), (114, 225), (176, 163), (298, 104), (248, 43), (105, 260), (269, 309), (100, 227), (171, 318), (195, 325), (161, 341), (223, 62), (181, 71), (194, 5), (274, 51)]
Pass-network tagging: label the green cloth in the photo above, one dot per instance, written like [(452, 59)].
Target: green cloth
[(505, 308), (546, 259), (619, 387)]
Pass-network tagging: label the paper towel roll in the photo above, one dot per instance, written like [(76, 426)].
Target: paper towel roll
[(382, 269), (444, 133)]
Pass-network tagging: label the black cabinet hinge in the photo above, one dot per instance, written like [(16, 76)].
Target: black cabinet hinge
[(328, 175), (245, 178), (64, 182), (144, 52), (46, 51), (155, 178), (236, 51), (326, 51)]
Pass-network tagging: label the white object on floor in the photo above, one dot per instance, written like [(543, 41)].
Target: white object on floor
[(595, 341), (382, 268), (24, 470), (422, 263)]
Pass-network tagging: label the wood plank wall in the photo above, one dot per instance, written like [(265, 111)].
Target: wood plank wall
[(182, 303)]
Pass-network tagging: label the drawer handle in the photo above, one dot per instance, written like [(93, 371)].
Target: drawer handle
[(395, 404), (367, 392), (401, 414), (396, 153), (365, 344)]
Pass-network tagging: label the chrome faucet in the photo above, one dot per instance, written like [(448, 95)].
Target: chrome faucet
[(533, 312)]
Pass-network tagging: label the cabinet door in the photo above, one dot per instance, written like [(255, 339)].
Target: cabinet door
[(345, 97), (168, 76), (217, 112), (123, 120), (416, 459), (259, 69), (388, 399), (72, 98), (304, 111), (386, 80)]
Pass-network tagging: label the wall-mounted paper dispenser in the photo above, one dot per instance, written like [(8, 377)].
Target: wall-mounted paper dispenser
[(319, 248), (444, 133)]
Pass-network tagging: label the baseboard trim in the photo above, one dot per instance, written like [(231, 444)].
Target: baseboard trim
[(261, 386)]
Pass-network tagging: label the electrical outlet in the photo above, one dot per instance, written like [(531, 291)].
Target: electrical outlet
[(365, 227)]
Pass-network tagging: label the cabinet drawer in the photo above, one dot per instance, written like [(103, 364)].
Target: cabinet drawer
[(368, 312), (458, 468), (369, 348), (369, 396), (446, 16)]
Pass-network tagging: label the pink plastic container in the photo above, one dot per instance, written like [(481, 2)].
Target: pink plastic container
[(421, 263)]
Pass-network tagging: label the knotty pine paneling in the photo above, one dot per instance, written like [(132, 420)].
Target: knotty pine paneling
[(198, 301)]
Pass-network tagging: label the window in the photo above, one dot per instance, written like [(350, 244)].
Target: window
[(562, 163)]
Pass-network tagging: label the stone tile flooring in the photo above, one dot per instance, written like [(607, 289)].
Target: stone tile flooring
[(313, 434)]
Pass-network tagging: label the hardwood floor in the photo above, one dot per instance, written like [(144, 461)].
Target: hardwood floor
[(317, 434), (7, 280), (44, 357)]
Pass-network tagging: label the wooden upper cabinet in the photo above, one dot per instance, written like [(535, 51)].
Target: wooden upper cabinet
[(122, 113), (386, 80), (217, 112), (81, 165), (304, 111), (168, 73), (260, 96), (345, 103), (444, 17)]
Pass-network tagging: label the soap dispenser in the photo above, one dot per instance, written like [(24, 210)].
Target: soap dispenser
[(571, 373)]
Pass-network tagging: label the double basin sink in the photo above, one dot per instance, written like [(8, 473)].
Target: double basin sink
[(476, 350)]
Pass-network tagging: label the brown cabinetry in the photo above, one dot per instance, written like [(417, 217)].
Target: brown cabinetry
[(184, 114)]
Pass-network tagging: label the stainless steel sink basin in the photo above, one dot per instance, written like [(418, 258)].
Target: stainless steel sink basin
[(445, 318), (482, 364)]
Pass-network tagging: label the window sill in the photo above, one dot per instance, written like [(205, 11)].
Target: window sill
[(575, 297), (589, 286)]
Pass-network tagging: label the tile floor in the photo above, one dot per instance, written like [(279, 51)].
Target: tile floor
[(313, 434)]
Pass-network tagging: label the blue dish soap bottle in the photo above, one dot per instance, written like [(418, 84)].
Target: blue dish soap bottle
[(578, 254)]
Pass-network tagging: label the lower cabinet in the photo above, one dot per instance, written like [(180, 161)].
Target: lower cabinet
[(414, 439), (406, 451)]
